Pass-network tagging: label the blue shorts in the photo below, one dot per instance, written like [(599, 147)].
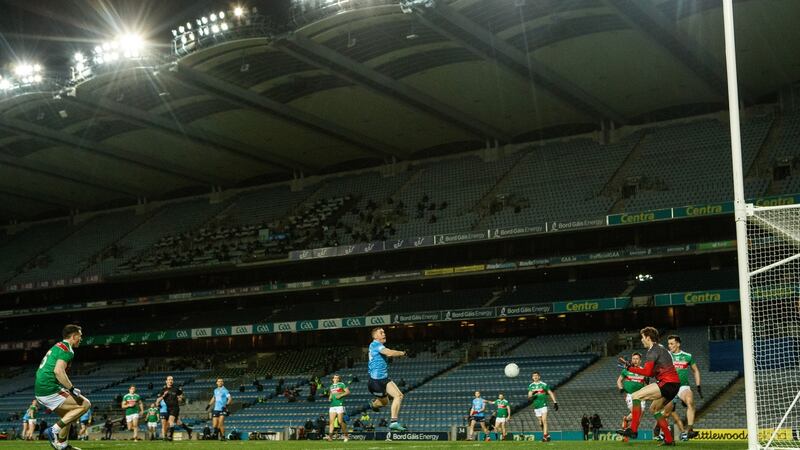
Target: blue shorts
[(85, 422), (164, 415), (478, 418)]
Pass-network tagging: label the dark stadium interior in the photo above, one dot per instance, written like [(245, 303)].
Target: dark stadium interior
[(245, 190)]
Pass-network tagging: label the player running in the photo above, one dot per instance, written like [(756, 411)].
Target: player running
[(133, 406), (55, 391), (659, 366), (152, 421), (86, 418), (172, 395), (503, 414), (380, 385), (337, 392), (628, 383), (477, 414), (220, 401), (538, 391), (683, 363), (29, 421)]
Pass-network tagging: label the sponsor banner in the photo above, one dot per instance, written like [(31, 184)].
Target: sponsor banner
[(201, 332), (515, 231), (428, 316), (284, 326), (306, 325), (372, 321), (467, 269), (575, 435), (710, 209), (534, 262), (738, 434), (524, 310), (639, 217), (460, 237), (404, 436), (776, 293), (20, 345), (330, 324), (501, 266), (606, 255), (466, 314), (178, 334), (370, 247), (351, 280), (354, 322), (697, 297), (778, 200), (263, 328), (324, 252), (575, 224), (438, 272), (601, 304), (397, 244), (241, 330), (222, 331), (716, 245)]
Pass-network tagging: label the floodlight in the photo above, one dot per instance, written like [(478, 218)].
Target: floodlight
[(215, 28), (79, 57), (181, 29), (98, 49), (221, 15), (224, 26), (5, 84), (23, 70), (191, 36), (198, 22), (37, 78), (212, 17), (205, 20), (238, 11), (188, 25), (37, 68), (174, 33)]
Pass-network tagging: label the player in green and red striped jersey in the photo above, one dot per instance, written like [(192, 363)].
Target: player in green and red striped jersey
[(684, 363), (538, 391), (628, 383), (503, 414), (55, 391)]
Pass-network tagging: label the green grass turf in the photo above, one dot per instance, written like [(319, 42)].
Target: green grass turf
[(377, 445)]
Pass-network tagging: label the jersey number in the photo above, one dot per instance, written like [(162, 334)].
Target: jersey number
[(44, 360)]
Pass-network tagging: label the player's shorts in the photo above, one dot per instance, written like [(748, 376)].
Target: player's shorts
[(684, 389), (540, 411), (53, 401), (152, 425), (378, 387), (669, 390), (478, 418), (336, 409), (219, 413), (629, 402), (499, 420), (173, 411), (163, 415), (31, 422), (132, 418)]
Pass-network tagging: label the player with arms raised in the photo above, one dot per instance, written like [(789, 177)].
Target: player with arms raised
[(538, 391), (336, 394), (684, 363), (658, 365), (379, 384), (55, 391), (133, 406)]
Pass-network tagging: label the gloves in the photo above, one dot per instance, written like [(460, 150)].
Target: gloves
[(555, 406), (75, 392), (623, 362), (621, 391), (700, 391), (208, 407)]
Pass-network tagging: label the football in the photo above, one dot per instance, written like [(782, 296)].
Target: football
[(512, 370)]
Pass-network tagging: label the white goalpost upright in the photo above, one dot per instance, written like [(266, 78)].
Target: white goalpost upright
[(768, 250)]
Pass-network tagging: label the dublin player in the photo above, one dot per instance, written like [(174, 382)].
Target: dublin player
[(337, 392), (29, 421), (477, 414), (658, 365), (55, 391), (684, 363), (538, 391), (133, 406), (220, 401), (379, 384)]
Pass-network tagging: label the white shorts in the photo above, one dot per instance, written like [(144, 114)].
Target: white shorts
[(683, 389), (336, 409), (540, 411), (31, 422), (132, 418), (629, 401), (53, 401), (152, 425), (499, 420)]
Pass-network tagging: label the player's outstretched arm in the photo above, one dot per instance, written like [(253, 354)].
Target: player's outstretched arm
[(392, 353), (619, 384)]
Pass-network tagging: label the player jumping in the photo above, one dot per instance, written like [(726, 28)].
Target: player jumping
[(628, 383), (380, 385), (659, 366), (538, 392), (477, 414), (337, 392), (55, 391), (220, 401), (133, 406), (683, 363)]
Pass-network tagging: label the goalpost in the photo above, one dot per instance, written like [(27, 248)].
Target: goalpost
[(768, 250)]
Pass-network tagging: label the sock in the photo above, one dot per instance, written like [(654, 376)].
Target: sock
[(690, 428), (186, 427), (637, 415), (394, 420), (57, 426), (171, 432), (662, 423)]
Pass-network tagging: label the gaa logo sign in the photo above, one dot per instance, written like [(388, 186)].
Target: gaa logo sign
[(243, 329), (353, 323), (262, 329), (221, 332), (283, 327), (200, 332), (330, 324), (307, 326), (376, 320), (182, 334)]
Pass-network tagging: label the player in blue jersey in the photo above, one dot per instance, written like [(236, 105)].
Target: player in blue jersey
[(164, 414), (477, 414), (29, 421), (380, 385), (85, 420), (220, 401)]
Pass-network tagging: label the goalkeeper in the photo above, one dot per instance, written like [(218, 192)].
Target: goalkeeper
[(658, 365)]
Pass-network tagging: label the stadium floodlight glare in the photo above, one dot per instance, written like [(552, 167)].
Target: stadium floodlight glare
[(188, 25), (212, 17), (181, 29), (5, 85), (221, 15), (79, 58), (204, 20), (215, 28), (174, 33), (224, 26), (238, 11)]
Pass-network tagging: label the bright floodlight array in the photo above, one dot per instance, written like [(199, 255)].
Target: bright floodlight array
[(187, 37), (126, 47), (22, 75)]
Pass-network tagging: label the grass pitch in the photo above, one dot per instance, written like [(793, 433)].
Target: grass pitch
[(376, 445)]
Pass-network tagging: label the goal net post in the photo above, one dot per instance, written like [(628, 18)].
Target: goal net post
[(773, 279)]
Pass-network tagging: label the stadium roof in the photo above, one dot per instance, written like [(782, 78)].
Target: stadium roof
[(373, 84)]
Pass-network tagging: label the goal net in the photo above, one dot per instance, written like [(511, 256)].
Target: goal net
[(773, 239)]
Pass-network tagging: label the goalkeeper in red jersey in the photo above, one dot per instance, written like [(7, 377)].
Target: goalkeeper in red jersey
[(658, 365)]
